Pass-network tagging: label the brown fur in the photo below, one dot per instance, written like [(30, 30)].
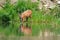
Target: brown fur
[(26, 14)]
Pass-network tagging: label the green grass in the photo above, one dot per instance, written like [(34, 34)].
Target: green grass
[(38, 21)]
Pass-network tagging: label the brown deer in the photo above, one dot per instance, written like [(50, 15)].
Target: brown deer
[(25, 15)]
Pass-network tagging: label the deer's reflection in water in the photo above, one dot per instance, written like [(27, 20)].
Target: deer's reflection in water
[(25, 28)]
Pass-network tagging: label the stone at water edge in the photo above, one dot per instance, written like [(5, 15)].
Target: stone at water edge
[(58, 2)]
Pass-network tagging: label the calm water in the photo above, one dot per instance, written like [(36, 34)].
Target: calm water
[(29, 31)]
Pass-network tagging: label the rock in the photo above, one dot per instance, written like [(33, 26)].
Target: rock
[(58, 2)]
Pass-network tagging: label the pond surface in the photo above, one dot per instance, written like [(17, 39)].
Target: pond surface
[(29, 31)]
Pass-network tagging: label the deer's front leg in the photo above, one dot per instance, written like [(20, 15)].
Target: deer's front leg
[(30, 16)]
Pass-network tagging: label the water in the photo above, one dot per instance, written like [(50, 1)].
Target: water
[(29, 31)]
